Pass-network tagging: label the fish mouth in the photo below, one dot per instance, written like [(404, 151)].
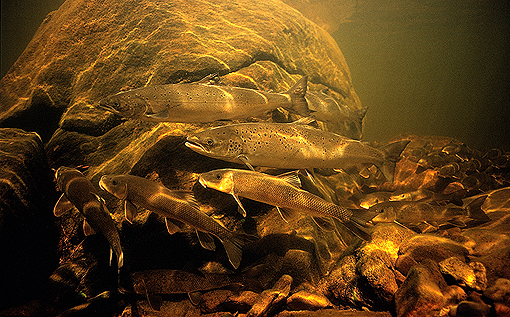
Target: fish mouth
[(202, 181), (191, 142), (102, 184)]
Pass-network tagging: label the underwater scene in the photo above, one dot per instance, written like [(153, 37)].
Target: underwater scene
[(252, 158)]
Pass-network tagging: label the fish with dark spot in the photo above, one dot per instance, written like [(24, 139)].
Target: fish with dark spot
[(178, 208), (202, 102), (283, 192), (292, 146), (78, 192)]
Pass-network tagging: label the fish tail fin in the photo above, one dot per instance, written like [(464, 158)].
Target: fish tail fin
[(475, 211), (234, 247), (358, 223), (360, 115), (392, 153), (297, 97)]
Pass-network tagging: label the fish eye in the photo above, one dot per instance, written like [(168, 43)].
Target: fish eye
[(115, 183), (209, 142), (218, 176)]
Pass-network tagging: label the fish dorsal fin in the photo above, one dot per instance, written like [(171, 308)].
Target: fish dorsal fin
[(207, 79), (303, 121), (161, 115), (187, 196), (206, 240), (173, 226), (130, 210), (87, 229), (62, 206), (241, 209), (324, 223), (291, 178)]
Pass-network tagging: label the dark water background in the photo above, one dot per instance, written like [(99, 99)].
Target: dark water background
[(426, 67)]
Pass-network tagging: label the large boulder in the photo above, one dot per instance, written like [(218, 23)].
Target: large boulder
[(87, 50)]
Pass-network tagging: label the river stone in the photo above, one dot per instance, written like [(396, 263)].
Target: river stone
[(28, 235), (87, 50)]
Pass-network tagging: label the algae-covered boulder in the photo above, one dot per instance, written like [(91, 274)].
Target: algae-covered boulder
[(87, 50)]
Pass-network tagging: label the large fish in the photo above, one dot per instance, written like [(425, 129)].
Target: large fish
[(202, 102), (178, 208), (78, 192), (283, 191), (416, 211), (291, 146)]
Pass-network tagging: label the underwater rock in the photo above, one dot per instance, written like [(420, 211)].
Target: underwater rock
[(271, 299), (176, 308), (28, 235), (499, 292), (421, 292), (464, 274), (83, 52), (427, 246), (306, 300), (333, 313), (470, 309)]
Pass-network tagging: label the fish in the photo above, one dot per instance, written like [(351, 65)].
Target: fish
[(291, 146), (79, 193), (423, 194), (202, 102), (325, 108), (178, 208), (283, 192), (415, 211), (152, 283)]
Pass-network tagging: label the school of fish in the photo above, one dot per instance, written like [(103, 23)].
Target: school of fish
[(296, 146)]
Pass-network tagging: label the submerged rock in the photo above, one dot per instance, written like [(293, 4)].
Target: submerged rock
[(28, 235)]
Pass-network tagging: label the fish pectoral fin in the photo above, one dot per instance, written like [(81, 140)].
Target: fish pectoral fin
[(159, 115), (324, 223), (155, 301), (241, 209), (195, 297), (130, 210), (287, 214), (291, 178), (244, 159), (173, 226), (111, 256), (62, 206), (87, 229), (207, 79), (206, 240)]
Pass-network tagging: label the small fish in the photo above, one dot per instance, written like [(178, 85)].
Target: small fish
[(423, 194), (291, 146), (152, 283), (416, 211), (202, 102), (178, 208), (371, 199), (283, 191), (79, 193), (325, 108)]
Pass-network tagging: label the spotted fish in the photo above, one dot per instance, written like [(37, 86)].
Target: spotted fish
[(283, 191), (178, 208), (202, 102), (291, 146)]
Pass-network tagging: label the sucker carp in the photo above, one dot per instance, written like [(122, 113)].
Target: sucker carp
[(177, 207)]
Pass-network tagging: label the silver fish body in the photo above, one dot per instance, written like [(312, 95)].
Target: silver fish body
[(79, 192), (178, 208), (201, 102), (291, 146), (280, 191)]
